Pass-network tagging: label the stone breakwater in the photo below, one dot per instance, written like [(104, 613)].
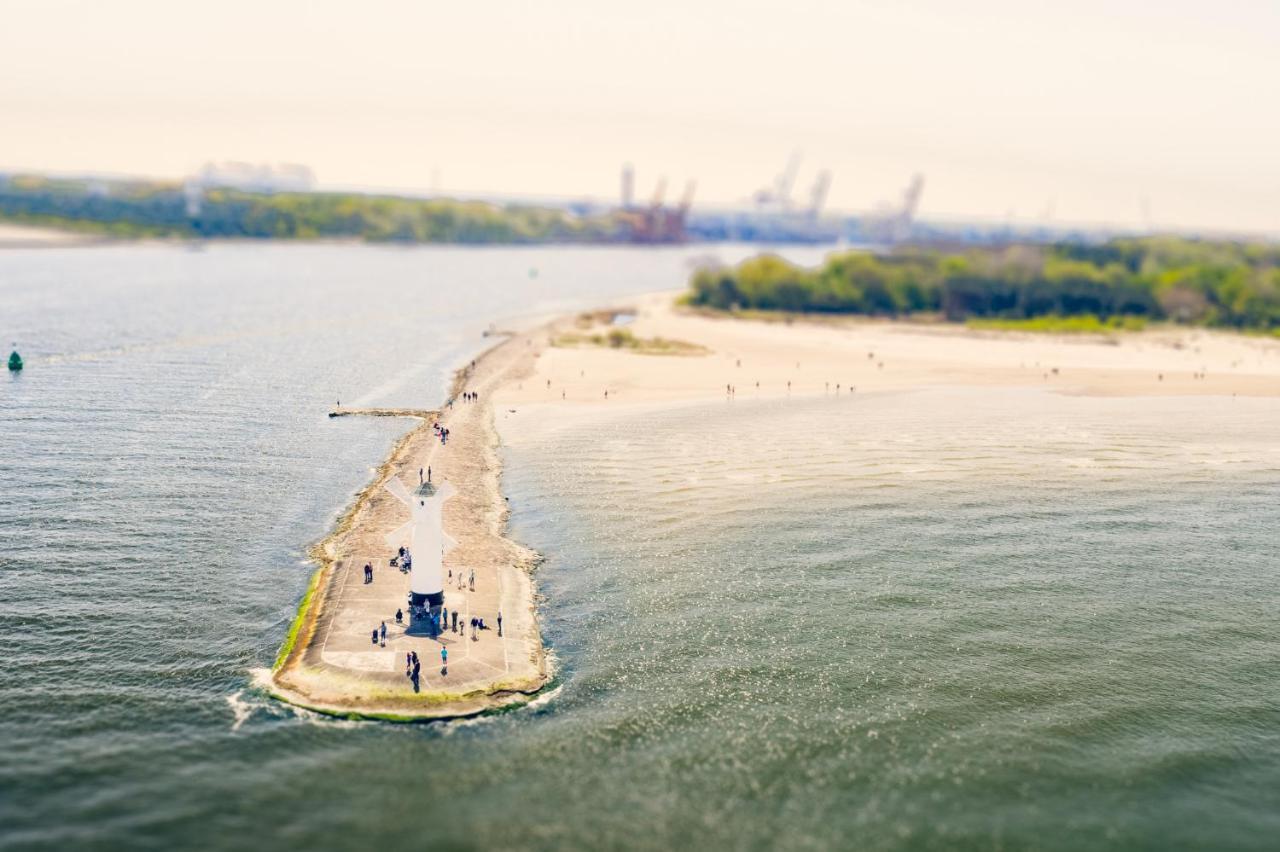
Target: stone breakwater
[(330, 664)]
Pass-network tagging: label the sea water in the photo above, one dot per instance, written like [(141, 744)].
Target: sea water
[(938, 619)]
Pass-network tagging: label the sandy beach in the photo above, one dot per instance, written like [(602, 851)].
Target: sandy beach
[(561, 372), (31, 236), (813, 357)]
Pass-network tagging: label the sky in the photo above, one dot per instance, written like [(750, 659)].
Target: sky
[(1121, 113)]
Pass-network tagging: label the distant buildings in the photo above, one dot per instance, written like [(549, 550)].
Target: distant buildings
[(246, 177), (284, 177)]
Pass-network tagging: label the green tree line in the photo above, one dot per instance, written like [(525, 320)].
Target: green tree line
[(151, 209), (1163, 278)]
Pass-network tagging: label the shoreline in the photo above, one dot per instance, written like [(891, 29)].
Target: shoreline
[(784, 356), (324, 664)]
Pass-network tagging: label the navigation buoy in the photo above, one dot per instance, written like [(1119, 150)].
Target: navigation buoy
[(15, 361)]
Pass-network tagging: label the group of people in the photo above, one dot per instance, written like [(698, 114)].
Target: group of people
[(470, 396), (441, 432), (445, 619), (412, 668)]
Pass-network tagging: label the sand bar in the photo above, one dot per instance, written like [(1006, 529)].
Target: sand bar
[(812, 357), (34, 236)]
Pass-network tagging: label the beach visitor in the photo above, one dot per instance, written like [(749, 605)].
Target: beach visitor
[(499, 622), (399, 616), (473, 579), (428, 474), (419, 476), (408, 663), (444, 660), (374, 637), (455, 621)]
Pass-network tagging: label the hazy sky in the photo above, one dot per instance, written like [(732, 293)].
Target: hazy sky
[(1078, 110)]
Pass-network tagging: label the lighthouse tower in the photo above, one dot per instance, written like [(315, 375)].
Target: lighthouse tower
[(424, 537)]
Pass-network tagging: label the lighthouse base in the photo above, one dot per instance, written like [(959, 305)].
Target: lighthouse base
[(424, 613)]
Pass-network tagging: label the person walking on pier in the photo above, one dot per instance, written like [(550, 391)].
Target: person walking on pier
[(473, 579), (455, 621), (384, 634), (499, 622), (444, 660)]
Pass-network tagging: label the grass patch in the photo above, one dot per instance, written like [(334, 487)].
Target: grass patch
[(304, 605), (622, 338), (1080, 324)]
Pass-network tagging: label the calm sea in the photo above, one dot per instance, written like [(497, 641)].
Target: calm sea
[(933, 620)]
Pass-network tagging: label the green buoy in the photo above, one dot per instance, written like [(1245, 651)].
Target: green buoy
[(15, 362)]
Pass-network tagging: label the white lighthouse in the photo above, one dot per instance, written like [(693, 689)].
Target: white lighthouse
[(424, 537)]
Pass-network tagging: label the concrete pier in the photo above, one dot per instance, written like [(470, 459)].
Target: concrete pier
[(332, 664)]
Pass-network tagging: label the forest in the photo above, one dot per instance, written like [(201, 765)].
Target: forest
[(157, 209), (1119, 283)]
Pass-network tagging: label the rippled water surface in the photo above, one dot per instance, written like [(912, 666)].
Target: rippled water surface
[(939, 619)]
